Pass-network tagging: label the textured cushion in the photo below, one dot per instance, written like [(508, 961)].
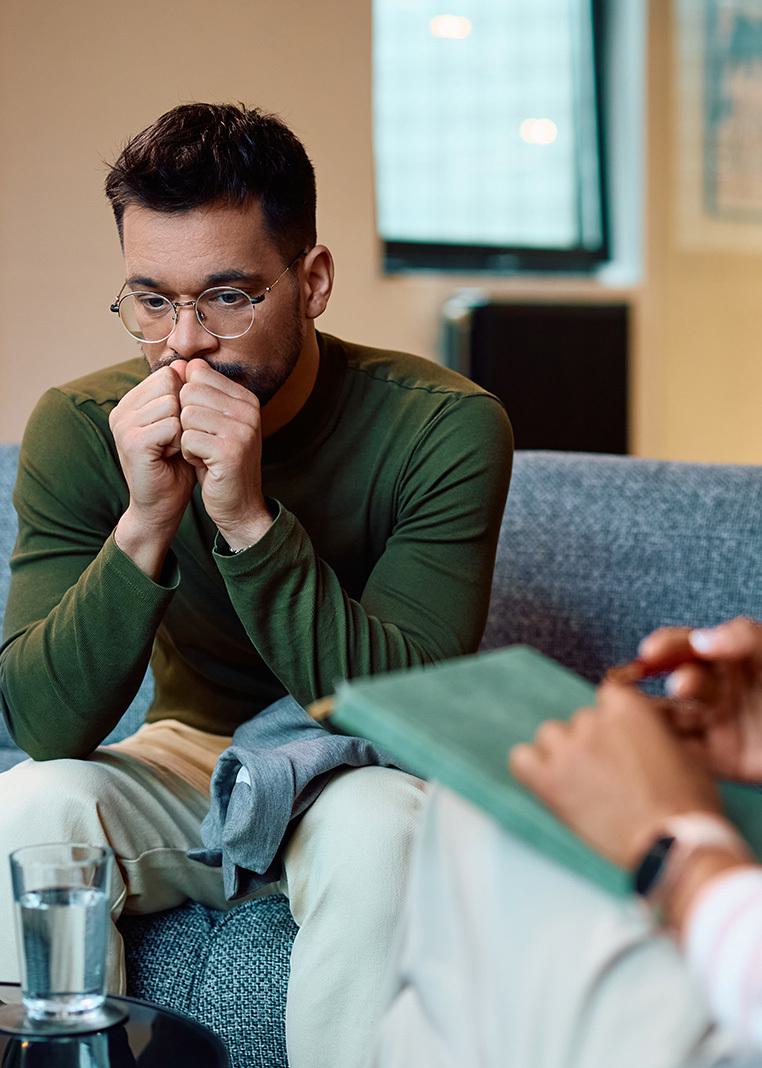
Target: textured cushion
[(227, 969), (10, 755), (8, 527), (596, 551)]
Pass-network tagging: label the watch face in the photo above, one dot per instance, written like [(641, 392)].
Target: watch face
[(651, 867)]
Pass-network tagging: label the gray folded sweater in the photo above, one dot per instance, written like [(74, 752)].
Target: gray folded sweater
[(279, 762)]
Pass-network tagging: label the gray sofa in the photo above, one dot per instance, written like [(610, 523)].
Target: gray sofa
[(595, 551)]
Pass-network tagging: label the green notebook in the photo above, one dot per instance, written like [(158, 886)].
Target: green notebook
[(455, 722)]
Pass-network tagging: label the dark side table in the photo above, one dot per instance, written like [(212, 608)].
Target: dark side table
[(150, 1037)]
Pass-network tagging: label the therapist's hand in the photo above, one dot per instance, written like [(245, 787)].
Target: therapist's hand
[(716, 689), (614, 773)]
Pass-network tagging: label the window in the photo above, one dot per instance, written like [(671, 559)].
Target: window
[(487, 134)]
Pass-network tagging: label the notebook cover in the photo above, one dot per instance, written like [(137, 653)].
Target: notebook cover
[(456, 721)]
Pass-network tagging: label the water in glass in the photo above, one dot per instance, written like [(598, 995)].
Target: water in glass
[(63, 934)]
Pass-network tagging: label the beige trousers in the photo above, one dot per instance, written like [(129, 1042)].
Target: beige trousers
[(345, 867)]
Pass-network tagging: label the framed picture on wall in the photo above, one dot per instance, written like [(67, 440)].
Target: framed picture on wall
[(718, 122)]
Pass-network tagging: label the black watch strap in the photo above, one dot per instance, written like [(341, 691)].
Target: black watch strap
[(651, 868)]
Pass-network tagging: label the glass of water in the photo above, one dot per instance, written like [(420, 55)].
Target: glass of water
[(61, 893)]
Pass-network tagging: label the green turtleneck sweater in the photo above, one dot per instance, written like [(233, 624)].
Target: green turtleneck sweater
[(387, 489)]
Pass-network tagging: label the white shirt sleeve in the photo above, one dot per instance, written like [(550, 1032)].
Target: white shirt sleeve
[(723, 944)]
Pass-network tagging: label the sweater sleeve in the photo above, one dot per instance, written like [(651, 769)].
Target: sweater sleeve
[(427, 596), (81, 616), (723, 944)]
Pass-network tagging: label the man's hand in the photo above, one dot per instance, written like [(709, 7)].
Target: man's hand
[(222, 439), (614, 773), (146, 428), (716, 686)]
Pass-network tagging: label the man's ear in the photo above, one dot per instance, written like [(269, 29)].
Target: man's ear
[(318, 280)]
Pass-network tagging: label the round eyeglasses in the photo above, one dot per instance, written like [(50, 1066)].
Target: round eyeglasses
[(223, 311)]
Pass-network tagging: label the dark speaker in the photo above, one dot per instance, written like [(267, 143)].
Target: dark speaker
[(560, 369)]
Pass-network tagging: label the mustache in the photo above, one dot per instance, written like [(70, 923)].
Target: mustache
[(233, 370), (247, 377)]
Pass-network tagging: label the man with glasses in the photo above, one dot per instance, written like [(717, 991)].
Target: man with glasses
[(258, 509)]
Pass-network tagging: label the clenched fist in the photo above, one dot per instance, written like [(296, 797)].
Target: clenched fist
[(221, 440), (146, 428)]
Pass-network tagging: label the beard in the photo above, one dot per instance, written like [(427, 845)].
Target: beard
[(264, 380)]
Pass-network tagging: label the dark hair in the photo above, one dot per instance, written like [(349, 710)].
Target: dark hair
[(199, 153)]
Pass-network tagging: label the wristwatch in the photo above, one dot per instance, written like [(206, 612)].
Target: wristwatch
[(651, 868), (673, 843)]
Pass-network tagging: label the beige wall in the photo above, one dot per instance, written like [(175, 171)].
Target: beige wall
[(76, 79), (699, 372)]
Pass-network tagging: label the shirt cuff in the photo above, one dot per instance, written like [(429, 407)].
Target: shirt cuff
[(128, 570), (723, 940), (232, 564)]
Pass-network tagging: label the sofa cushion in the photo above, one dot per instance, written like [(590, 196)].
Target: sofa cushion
[(8, 528), (597, 551), (227, 969), (10, 755)]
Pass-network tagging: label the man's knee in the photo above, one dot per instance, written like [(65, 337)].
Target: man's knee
[(370, 807), (399, 790), (357, 838), (51, 796)]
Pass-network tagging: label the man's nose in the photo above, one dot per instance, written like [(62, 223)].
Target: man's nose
[(188, 337)]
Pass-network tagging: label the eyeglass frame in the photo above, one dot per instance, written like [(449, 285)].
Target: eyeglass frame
[(177, 304)]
